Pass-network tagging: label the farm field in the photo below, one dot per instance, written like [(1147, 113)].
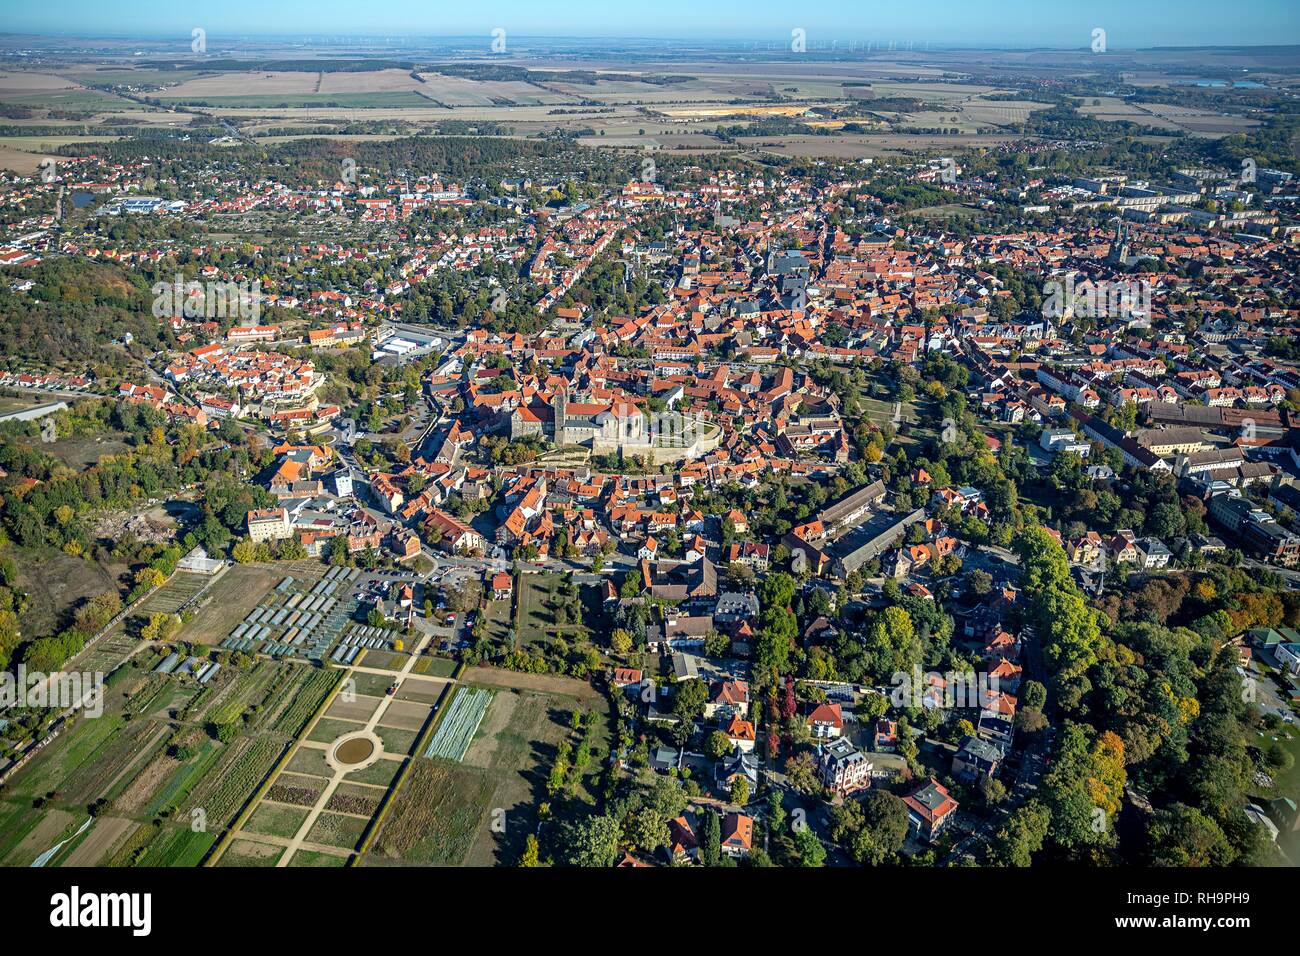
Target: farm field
[(319, 808), (167, 780), (443, 811), (236, 593), (434, 667), (436, 814)]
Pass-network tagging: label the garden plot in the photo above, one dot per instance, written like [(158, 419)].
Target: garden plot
[(359, 708), (460, 723), (406, 715), (425, 691)]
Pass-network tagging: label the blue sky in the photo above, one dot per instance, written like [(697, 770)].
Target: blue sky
[(1128, 23)]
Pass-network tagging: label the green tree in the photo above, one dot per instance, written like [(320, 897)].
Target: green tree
[(591, 841), (1180, 835), (689, 698), (710, 844), (1022, 835), (809, 848)]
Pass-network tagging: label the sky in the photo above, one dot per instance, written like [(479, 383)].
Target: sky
[(993, 23)]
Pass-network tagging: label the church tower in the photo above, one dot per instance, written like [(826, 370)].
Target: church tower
[(559, 406)]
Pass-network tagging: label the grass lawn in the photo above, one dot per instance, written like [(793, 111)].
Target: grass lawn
[(381, 772), (317, 858), (536, 618), (435, 666), (310, 760), (328, 729), (385, 660), (498, 621), (371, 685), (276, 820), (396, 740), (1287, 784)]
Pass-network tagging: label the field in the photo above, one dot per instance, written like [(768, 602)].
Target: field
[(1195, 122), (56, 583), (121, 640), (613, 102), (536, 621), (477, 811), (233, 596), (164, 787), (436, 815), (81, 451), (320, 811)]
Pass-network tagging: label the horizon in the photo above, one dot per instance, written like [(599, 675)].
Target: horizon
[(1013, 24)]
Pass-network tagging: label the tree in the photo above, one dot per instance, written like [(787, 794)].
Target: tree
[(801, 771), (872, 707), (646, 829), (1079, 789), (530, 857), (591, 841), (718, 745), (1033, 694), (809, 848), (777, 590), (689, 698), (871, 830), (979, 582), (775, 812), (740, 791), (1180, 835), (716, 644), (710, 844), (776, 635), (161, 627), (892, 644), (1022, 836), (1066, 626), (620, 640), (667, 797), (244, 552)]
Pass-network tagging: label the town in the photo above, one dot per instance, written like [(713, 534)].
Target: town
[(465, 499)]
